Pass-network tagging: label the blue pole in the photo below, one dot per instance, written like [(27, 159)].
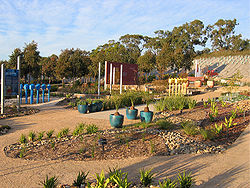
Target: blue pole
[(48, 86), (32, 86), (20, 94), (37, 93), (43, 88), (43, 95), (26, 87)]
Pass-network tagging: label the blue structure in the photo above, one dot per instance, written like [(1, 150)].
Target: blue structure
[(48, 86), (26, 87), (43, 88), (20, 94), (37, 93), (32, 87)]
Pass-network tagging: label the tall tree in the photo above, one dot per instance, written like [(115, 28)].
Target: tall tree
[(223, 37), (32, 58), (13, 59), (49, 66), (146, 62)]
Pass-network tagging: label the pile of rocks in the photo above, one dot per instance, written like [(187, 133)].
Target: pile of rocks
[(12, 112), (4, 129)]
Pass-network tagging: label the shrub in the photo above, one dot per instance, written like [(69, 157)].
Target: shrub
[(50, 182), (23, 139), (159, 105), (82, 102), (165, 124), (229, 122), (101, 181), (191, 103), (79, 129), (40, 135), (218, 128), (189, 128), (65, 132), (81, 179), (168, 183), (207, 134), (91, 129), (146, 177), (185, 181), (121, 179), (31, 136), (50, 133)]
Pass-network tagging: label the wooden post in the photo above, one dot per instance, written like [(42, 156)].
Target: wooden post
[(110, 77), (2, 88), (121, 79), (105, 76), (99, 79), (19, 74)]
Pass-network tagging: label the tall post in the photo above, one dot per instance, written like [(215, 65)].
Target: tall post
[(18, 93), (99, 79), (114, 76), (105, 76), (2, 88), (111, 68), (121, 79)]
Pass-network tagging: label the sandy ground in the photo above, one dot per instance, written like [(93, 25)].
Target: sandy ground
[(229, 169)]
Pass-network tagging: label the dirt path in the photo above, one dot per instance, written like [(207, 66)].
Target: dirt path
[(230, 169)]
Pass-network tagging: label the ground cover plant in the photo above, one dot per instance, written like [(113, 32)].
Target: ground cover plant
[(192, 128)]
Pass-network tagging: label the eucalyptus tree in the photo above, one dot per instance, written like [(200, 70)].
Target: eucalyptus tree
[(49, 66)]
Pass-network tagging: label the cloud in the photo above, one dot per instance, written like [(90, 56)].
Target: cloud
[(85, 24)]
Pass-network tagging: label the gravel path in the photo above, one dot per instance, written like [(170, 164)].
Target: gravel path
[(229, 169)]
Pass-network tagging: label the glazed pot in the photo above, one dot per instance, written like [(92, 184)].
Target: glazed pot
[(197, 83), (131, 114), (92, 107), (210, 83), (82, 108), (146, 116), (116, 121)]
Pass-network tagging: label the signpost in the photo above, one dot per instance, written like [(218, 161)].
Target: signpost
[(10, 79)]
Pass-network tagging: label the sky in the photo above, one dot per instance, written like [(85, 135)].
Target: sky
[(59, 24)]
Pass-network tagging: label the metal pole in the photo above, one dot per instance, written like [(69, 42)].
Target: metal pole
[(99, 79), (105, 76), (110, 78), (121, 80), (18, 96), (2, 88), (114, 76)]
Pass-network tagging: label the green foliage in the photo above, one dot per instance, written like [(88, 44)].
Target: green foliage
[(214, 111), (22, 152), (121, 179), (205, 104), (79, 129), (152, 147), (101, 181), (91, 129), (189, 128), (185, 181), (40, 135), (218, 128), (207, 134), (146, 177), (165, 124), (23, 139), (117, 101), (191, 103), (50, 182), (32, 136), (81, 179), (82, 102), (49, 133), (63, 132), (229, 122), (168, 183), (159, 105), (147, 97), (234, 113)]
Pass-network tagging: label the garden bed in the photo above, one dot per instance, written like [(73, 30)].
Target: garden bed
[(11, 111)]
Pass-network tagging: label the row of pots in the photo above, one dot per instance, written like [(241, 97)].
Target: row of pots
[(116, 121), (94, 107)]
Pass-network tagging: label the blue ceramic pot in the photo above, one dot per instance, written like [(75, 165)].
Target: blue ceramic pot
[(116, 121), (82, 108), (92, 107), (146, 116), (131, 114)]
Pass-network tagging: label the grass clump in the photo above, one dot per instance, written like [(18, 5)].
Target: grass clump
[(32, 136), (101, 181), (81, 179), (185, 181), (189, 128), (49, 133), (40, 135), (91, 129), (79, 129), (23, 139), (146, 177), (165, 125), (207, 134), (168, 183), (50, 182)]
